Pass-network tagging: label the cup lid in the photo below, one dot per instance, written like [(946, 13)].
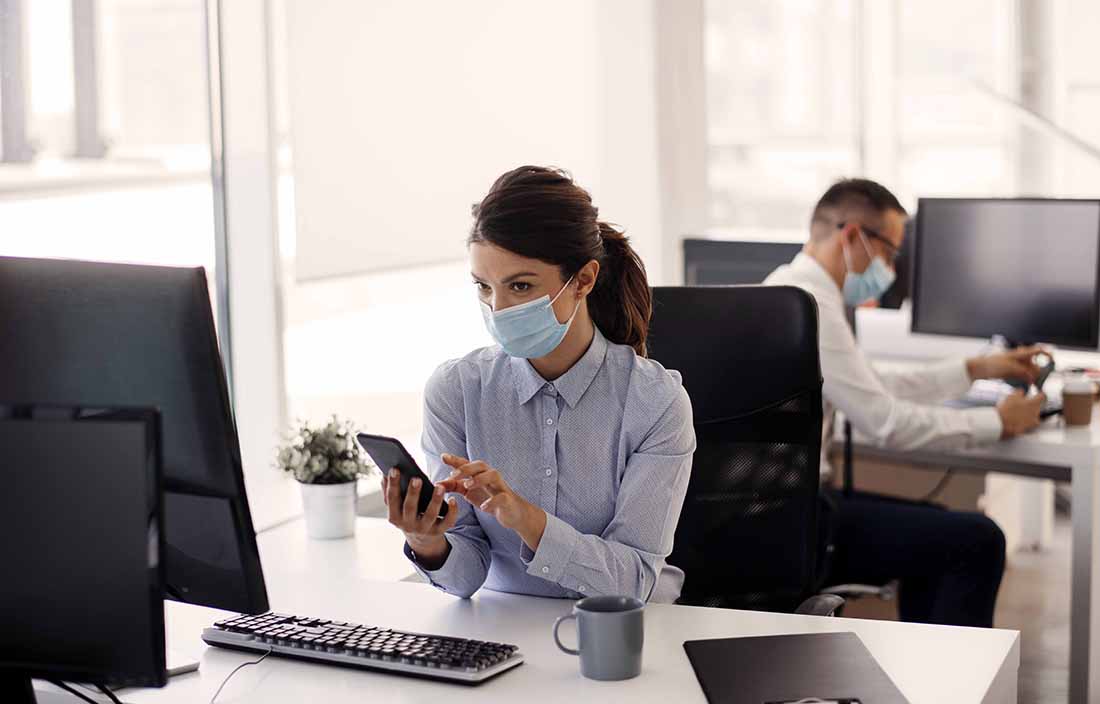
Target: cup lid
[(1078, 385)]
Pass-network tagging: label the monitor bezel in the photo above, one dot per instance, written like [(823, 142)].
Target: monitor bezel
[(1093, 339)]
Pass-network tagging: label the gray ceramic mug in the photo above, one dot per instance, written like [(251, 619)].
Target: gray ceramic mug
[(610, 634)]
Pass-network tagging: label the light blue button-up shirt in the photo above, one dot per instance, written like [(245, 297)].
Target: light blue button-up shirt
[(605, 450)]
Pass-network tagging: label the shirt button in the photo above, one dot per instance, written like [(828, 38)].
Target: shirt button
[(545, 570), (549, 472), (581, 588), (549, 421)]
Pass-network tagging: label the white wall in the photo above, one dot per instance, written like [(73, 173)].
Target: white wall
[(402, 114)]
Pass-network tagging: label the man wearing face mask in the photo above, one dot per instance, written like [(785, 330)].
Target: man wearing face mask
[(949, 563)]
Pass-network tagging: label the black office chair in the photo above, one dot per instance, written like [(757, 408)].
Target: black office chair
[(748, 535)]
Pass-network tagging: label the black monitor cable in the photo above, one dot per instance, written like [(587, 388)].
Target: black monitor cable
[(940, 486), (108, 693), (74, 692), (235, 670)]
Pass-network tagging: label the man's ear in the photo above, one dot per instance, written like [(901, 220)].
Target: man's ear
[(849, 231), (586, 277)]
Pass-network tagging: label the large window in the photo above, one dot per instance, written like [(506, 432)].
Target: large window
[(952, 138), (106, 124), (938, 97), (782, 107)]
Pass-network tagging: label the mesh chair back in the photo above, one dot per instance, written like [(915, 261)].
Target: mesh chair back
[(748, 533)]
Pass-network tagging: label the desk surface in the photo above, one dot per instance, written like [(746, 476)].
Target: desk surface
[(929, 663), (374, 553)]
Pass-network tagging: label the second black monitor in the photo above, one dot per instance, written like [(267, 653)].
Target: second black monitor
[(1023, 268)]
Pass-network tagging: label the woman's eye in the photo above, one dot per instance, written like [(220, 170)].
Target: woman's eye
[(482, 288), (521, 287)]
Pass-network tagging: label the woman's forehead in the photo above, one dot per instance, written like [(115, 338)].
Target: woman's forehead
[(490, 262)]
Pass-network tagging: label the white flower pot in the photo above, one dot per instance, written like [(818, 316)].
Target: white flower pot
[(330, 510)]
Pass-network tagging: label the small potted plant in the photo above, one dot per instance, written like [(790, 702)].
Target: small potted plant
[(326, 461)]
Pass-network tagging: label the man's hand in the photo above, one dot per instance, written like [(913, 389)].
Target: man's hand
[(1018, 363), (1019, 413), (483, 487)]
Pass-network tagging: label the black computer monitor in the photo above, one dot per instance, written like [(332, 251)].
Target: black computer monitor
[(713, 262), (81, 597), (143, 336), (1023, 268)]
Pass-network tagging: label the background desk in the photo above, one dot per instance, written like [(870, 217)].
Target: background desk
[(932, 664), (1051, 452)]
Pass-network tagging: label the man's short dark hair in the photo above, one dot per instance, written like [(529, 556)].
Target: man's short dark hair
[(855, 194)]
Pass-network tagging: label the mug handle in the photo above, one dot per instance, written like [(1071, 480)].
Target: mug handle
[(557, 640)]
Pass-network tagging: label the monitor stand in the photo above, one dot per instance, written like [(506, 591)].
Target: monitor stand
[(178, 663)]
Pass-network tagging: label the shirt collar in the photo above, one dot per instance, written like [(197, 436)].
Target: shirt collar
[(572, 384), (810, 268)]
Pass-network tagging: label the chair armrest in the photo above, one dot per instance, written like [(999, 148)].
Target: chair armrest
[(820, 605), (887, 592)]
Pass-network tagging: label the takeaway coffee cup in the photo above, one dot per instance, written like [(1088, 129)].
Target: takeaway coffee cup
[(1077, 399), (609, 634)]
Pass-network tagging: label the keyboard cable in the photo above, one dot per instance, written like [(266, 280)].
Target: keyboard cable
[(235, 670)]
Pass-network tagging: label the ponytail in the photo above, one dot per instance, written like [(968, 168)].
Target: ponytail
[(620, 304)]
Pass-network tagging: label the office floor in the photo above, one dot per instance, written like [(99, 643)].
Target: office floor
[(1034, 599)]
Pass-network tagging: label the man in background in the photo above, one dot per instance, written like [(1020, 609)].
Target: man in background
[(949, 563)]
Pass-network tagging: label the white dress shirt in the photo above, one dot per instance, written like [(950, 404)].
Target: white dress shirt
[(897, 409)]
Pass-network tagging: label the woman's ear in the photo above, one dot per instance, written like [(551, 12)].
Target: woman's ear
[(586, 278)]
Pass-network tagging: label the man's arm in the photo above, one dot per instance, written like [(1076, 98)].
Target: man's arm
[(853, 387)]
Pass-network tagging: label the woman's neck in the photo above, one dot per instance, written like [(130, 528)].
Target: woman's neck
[(571, 349)]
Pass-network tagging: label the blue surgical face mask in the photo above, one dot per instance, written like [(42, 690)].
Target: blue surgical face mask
[(871, 283), (529, 330)]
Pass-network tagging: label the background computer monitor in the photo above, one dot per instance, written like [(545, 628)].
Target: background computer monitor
[(1023, 268), (81, 598), (712, 262), (143, 336)]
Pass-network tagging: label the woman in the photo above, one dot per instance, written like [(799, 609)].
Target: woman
[(569, 449)]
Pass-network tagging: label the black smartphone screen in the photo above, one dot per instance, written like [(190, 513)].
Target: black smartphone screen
[(388, 453)]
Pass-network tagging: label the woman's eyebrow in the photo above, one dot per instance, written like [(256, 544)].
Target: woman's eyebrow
[(520, 275)]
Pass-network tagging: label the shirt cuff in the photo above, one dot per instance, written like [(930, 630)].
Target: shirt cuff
[(449, 573), (952, 377), (549, 562), (987, 425)]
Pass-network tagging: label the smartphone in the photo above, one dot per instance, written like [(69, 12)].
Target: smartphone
[(1044, 370), (389, 452)]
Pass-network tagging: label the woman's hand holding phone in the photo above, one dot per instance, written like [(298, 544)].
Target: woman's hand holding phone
[(423, 532), (485, 489)]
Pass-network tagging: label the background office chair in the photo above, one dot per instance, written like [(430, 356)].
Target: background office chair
[(749, 532)]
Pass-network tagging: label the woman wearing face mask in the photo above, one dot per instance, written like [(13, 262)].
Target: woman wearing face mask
[(570, 449)]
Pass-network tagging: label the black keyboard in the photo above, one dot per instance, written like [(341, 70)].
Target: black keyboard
[(335, 642)]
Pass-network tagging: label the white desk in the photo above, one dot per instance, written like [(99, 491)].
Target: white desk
[(932, 664), (1051, 452), (374, 553)]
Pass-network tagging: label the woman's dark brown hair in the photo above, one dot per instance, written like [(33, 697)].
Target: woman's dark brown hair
[(540, 213)]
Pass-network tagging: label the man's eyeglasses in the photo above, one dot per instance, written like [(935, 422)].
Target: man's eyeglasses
[(891, 250)]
